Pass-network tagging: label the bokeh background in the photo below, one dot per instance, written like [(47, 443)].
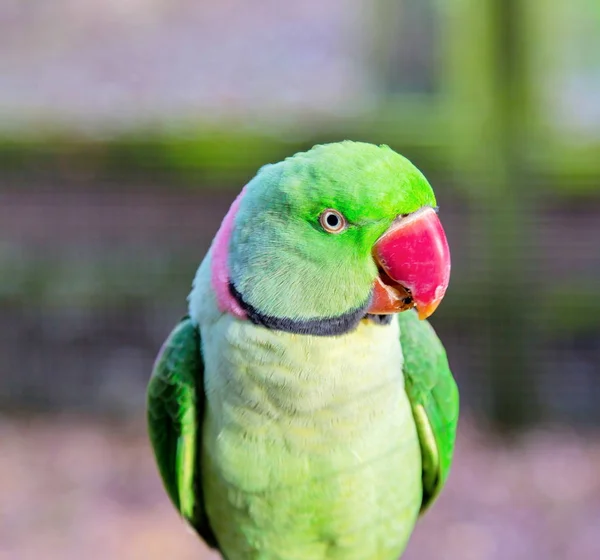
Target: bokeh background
[(126, 129)]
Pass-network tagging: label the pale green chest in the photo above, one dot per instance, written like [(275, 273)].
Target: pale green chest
[(310, 449)]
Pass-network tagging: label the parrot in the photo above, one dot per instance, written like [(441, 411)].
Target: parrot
[(304, 407)]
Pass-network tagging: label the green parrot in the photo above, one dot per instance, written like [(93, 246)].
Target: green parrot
[(304, 408)]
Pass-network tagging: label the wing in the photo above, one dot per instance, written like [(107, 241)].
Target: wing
[(175, 411), (434, 398)]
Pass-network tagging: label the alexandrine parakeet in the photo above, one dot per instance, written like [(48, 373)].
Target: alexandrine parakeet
[(304, 408)]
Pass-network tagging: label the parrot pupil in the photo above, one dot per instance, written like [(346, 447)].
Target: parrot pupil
[(332, 220)]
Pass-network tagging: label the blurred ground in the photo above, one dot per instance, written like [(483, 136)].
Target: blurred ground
[(73, 489)]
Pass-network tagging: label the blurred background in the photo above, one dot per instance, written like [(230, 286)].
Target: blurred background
[(127, 128)]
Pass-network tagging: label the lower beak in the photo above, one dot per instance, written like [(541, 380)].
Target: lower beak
[(413, 258)]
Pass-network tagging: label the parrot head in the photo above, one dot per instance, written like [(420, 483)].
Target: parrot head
[(321, 240)]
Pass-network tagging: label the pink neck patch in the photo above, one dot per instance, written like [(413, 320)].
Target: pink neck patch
[(219, 266)]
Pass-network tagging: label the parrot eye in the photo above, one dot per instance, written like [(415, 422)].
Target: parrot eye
[(332, 221)]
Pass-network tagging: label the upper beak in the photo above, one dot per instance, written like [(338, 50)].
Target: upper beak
[(414, 264)]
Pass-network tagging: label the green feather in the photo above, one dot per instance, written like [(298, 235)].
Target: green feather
[(175, 405), (434, 399)]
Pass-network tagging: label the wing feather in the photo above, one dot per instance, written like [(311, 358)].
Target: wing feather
[(434, 398), (175, 412)]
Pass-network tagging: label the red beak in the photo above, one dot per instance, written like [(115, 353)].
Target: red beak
[(414, 264)]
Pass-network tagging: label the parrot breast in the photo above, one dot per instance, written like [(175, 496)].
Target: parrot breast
[(309, 444)]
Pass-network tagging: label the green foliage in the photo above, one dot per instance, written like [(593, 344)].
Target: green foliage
[(98, 280), (202, 159)]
